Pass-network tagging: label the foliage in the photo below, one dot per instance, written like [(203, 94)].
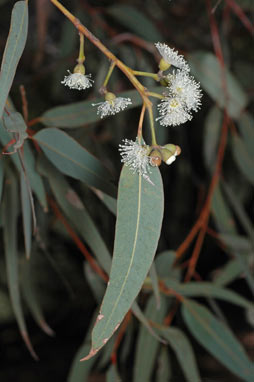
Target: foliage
[(166, 278)]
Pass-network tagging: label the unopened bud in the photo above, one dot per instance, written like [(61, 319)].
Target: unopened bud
[(110, 96), (169, 153), (155, 158)]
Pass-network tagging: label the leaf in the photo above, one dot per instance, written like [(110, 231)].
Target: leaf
[(33, 303), (112, 374), (13, 49), (213, 124), (147, 346), (155, 285), (139, 219), (15, 124), (207, 289), (232, 270), (222, 213), (217, 339), (1, 176), (10, 211), (76, 212), (135, 21), (163, 372), (164, 265), (183, 351), (236, 242), (82, 113), (246, 126), (243, 159), (74, 160), (206, 68), (26, 215)]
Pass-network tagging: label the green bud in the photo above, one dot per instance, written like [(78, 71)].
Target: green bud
[(170, 152), (110, 96), (155, 158)]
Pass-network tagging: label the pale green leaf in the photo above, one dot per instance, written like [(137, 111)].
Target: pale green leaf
[(139, 219), (217, 339), (74, 160), (13, 49)]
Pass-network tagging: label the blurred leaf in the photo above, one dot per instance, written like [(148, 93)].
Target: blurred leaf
[(236, 242), (164, 265), (10, 211), (1, 176), (163, 372), (109, 202), (80, 371), (223, 215), (228, 273), (213, 124), (246, 125), (95, 282), (244, 161), (76, 212), (207, 289), (183, 351), (217, 339), (145, 322), (32, 300), (13, 49), (82, 113), (112, 374), (147, 346), (26, 215), (74, 160), (206, 68), (135, 21), (155, 285), (137, 233), (14, 123)]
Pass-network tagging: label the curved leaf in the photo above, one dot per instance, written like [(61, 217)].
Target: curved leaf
[(217, 339), (205, 67), (184, 352), (139, 219), (74, 160), (13, 50)]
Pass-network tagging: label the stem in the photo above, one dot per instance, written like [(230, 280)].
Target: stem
[(140, 124), (154, 142), (81, 57), (146, 74), (111, 68), (155, 95)]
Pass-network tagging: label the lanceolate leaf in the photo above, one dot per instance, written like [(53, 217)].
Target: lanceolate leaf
[(139, 219), (243, 159), (207, 289), (10, 244), (74, 160), (217, 339), (1, 177), (13, 50), (184, 352), (82, 113), (26, 214)]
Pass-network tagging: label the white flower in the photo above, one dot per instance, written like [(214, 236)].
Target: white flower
[(186, 89), (172, 57), (77, 81), (172, 112), (113, 106), (135, 157), (171, 159)]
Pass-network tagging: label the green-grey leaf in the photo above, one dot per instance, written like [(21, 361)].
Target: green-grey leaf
[(139, 219), (10, 211), (213, 124), (164, 366), (222, 213), (217, 339), (1, 176), (147, 346), (82, 113), (112, 374), (246, 125), (135, 21), (13, 49), (76, 212), (74, 160), (14, 123), (26, 214), (243, 159), (183, 351), (206, 68), (207, 289)]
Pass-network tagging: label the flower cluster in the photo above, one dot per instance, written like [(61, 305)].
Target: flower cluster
[(135, 156), (183, 93)]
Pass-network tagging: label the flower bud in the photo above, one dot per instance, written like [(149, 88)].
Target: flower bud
[(79, 68), (164, 65), (170, 152), (155, 158)]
